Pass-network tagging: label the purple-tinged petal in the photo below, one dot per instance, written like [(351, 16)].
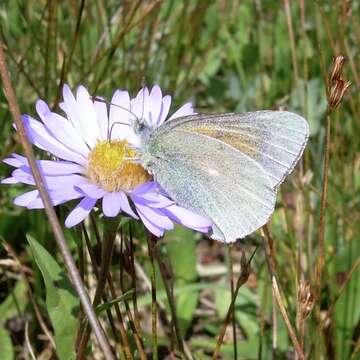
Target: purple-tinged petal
[(9, 180), (166, 102), (80, 212), (125, 205), (102, 119), (23, 175), (52, 168), (145, 188), (154, 215), (66, 194), (63, 130), (157, 231), (111, 204), (154, 200), (185, 110), (63, 181), (13, 162), (186, 217), (155, 104), (26, 198), (49, 167), (42, 109), (43, 139), (57, 197), (91, 190)]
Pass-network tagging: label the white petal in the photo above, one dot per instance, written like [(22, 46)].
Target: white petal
[(87, 115), (139, 105), (102, 119), (155, 104), (120, 115), (166, 102), (185, 110)]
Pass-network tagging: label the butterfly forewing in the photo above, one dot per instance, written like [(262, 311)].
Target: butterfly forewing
[(274, 139)]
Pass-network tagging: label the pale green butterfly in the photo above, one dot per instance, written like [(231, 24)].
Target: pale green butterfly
[(225, 167)]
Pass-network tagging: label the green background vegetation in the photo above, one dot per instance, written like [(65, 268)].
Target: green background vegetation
[(225, 56)]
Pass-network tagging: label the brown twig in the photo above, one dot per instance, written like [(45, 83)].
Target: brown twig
[(270, 260), (50, 212), (292, 40), (321, 234), (233, 320), (243, 277)]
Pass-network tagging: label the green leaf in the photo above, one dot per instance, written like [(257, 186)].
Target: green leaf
[(6, 346), (181, 249), (61, 301), (15, 302), (347, 309), (222, 300)]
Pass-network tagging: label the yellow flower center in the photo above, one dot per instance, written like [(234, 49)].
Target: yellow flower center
[(109, 168)]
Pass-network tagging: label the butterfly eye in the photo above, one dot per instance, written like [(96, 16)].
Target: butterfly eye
[(139, 126)]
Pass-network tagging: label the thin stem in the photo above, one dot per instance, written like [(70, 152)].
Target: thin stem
[(243, 277), (50, 43), (151, 242), (67, 64), (123, 332), (135, 329), (170, 296), (233, 320), (292, 40), (105, 299), (321, 237), (106, 254), (270, 260), (133, 275), (50, 212)]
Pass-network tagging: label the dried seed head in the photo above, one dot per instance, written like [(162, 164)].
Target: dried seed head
[(336, 93), (337, 68), (337, 86), (306, 299)]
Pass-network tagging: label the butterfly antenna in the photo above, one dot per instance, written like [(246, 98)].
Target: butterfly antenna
[(95, 98), (143, 99)]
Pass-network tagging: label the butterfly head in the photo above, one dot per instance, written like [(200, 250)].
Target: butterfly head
[(141, 129)]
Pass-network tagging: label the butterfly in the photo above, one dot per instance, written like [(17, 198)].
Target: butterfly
[(225, 167)]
